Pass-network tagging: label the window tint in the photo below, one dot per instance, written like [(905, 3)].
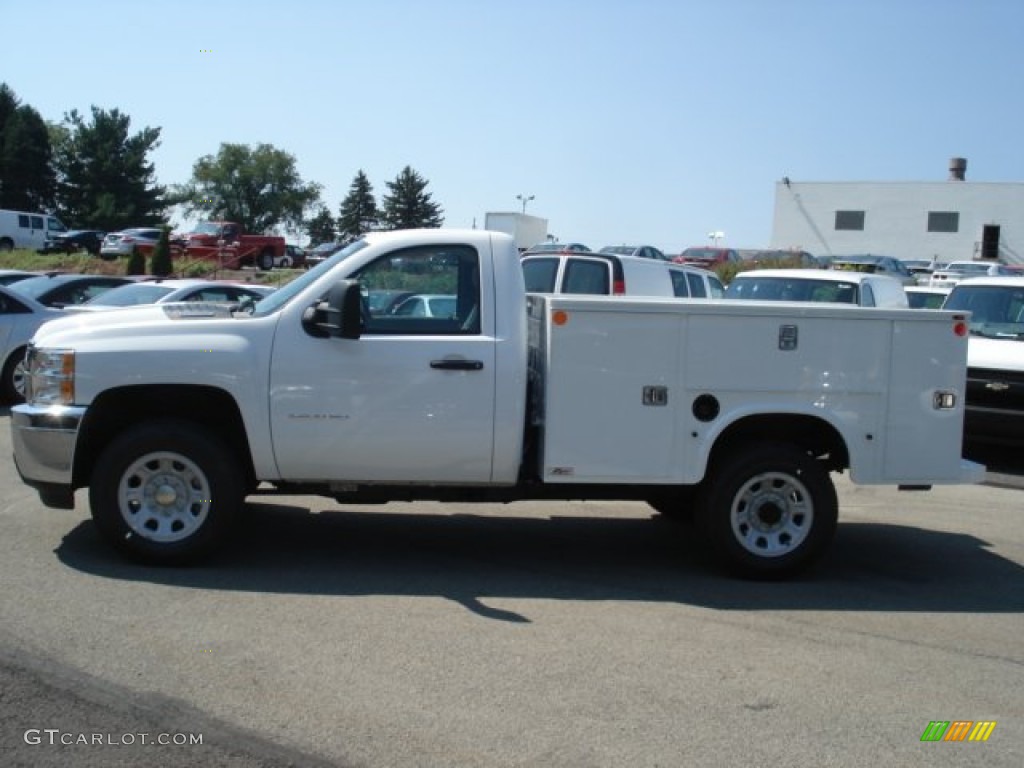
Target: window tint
[(23, 221), (587, 276), (540, 275), (11, 306), (680, 289), (696, 286), (441, 287), (867, 295), (37, 222)]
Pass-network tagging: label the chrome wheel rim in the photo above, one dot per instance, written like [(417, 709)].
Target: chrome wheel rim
[(18, 378), (772, 514), (164, 497)]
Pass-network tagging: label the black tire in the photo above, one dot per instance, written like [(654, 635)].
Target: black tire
[(266, 260), (12, 383), (166, 492), (770, 510), (6, 245)]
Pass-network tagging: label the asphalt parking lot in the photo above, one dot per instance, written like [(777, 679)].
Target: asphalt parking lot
[(532, 634)]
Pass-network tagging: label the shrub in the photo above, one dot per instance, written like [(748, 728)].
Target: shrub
[(136, 263)]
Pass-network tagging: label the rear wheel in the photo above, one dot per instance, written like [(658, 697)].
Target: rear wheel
[(266, 260), (165, 492), (6, 244), (769, 510)]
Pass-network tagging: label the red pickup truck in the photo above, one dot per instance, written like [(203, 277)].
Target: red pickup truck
[(225, 242)]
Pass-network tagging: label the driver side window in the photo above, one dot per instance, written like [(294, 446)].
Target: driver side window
[(428, 290)]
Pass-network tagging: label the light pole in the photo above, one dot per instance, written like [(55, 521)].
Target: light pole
[(715, 237), (525, 199)]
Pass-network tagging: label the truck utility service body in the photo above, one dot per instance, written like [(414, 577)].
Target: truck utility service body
[(173, 414)]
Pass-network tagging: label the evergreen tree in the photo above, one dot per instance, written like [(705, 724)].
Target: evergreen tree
[(136, 262), (27, 178), (408, 205), (358, 213), (104, 177), (320, 228), (161, 264)]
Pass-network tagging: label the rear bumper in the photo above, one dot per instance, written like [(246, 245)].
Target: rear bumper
[(44, 441)]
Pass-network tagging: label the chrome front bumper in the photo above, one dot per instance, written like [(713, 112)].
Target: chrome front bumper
[(44, 441)]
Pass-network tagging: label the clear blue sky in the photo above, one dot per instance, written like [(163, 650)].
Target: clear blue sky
[(650, 121)]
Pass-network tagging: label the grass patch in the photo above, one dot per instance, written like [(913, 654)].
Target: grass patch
[(84, 263)]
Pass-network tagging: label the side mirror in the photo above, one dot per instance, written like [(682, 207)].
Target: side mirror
[(339, 316), (344, 310)]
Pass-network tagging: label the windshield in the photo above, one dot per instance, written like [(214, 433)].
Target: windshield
[(283, 295), (997, 311), (34, 286), (130, 295), (206, 228)]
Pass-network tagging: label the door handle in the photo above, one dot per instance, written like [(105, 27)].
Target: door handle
[(457, 365)]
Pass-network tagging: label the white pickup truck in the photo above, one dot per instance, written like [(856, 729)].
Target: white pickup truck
[(739, 411)]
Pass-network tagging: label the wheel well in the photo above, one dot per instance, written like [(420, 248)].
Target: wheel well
[(116, 409), (816, 436)]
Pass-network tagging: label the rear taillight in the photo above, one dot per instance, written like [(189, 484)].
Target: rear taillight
[(960, 327), (619, 287)]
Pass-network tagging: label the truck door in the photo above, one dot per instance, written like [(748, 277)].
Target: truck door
[(412, 400)]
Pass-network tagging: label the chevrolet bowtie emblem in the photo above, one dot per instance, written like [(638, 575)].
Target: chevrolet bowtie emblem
[(997, 386)]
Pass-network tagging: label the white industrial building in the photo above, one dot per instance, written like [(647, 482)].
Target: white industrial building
[(947, 220)]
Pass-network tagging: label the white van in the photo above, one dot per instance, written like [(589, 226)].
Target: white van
[(611, 274), (19, 229)]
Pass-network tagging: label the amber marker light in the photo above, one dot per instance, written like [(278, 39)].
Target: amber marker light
[(559, 317)]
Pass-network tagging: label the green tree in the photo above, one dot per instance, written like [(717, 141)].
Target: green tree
[(408, 205), (27, 178), (321, 228), (259, 188), (161, 264), (358, 213), (104, 177)]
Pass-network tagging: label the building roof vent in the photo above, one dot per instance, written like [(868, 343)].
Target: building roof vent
[(957, 168)]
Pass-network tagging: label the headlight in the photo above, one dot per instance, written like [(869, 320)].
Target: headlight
[(51, 376)]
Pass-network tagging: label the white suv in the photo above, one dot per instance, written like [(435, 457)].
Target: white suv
[(611, 274)]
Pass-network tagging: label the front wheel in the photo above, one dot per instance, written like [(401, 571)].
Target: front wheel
[(165, 492), (12, 385), (769, 510)]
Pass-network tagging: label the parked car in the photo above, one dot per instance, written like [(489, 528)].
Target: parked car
[(8, 276), (873, 264), (610, 274), (922, 269), (55, 290), (90, 240), (859, 288), (165, 291), (321, 253), (294, 256), (426, 305), (20, 317), (640, 251), (995, 358), (556, 247), (382, 301), (709, 258), (122, 243), (926, 296), (956, 271)]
